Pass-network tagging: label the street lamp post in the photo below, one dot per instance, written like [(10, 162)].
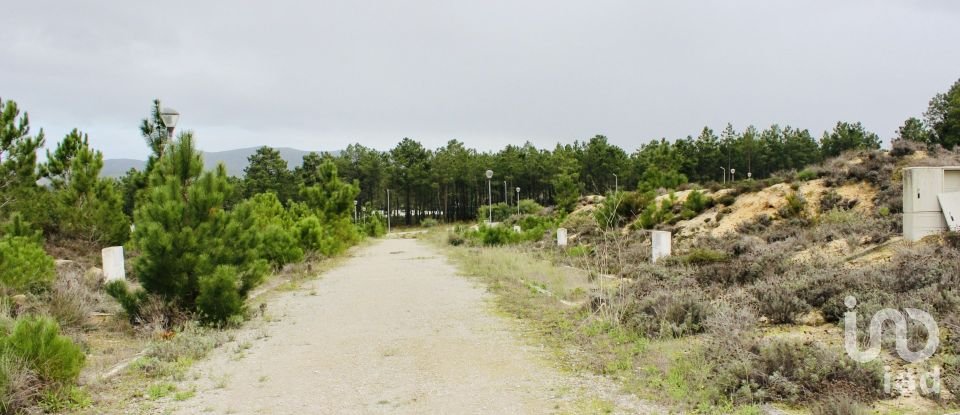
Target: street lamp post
[(616, 183), (733, 175), (518, 201), (724, 174), (356, 217), (490, 196), (388, 211), (505, 198)]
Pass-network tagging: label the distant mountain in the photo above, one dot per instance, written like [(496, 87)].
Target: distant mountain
[(235, 160)]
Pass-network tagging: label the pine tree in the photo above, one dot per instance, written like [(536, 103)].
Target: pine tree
[(88, 207), (18, 162), (188, 242)]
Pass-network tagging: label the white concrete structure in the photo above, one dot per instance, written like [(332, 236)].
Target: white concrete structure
[(516, 228), (113, 269), (561, 237), (950, 203), (923, 208), (662, 242)]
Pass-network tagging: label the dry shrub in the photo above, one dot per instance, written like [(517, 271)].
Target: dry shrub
[(794, 371), (779, 301), (19, 386), (667, 313), (72, 298), (838, 405)]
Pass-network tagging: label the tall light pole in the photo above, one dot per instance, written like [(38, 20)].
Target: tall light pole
[(490, 196), (733, 175), (356, 217), (518, 201), (616, 183), (724, 174), (388, 211), (505, 198)]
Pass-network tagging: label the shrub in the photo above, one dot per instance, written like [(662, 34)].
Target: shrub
[(264, 226), (428, 222), (501, 211), (667, 313), (130, 301), (37, 341), (310, 233), (219, 297), (779, 303), (697, 202), (790, 370), (796, 206), (607, 214), (375, 225), (655, 213), (24, 265), (728, 199), (838, 405), (497, 235), (700, 256), (807, 174), (530, 207), (455, 239), (19, 386)]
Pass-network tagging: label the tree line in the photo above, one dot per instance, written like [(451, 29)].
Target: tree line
[(449, 182)]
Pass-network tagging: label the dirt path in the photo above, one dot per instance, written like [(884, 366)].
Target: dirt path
[(393, 330)]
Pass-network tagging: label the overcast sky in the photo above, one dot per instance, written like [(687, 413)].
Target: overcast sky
[(321, 75)]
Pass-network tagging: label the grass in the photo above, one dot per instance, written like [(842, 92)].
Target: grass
[(530, 287)]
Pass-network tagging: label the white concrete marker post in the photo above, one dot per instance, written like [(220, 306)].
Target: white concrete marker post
[(561, 237), (113, 269), (516, 228), (662, 245)]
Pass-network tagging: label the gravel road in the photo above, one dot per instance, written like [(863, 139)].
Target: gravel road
[(392, 330)]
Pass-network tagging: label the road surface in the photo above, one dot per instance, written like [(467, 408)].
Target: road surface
[(394, 330)]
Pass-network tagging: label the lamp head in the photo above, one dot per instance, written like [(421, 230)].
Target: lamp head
[(170, 117)]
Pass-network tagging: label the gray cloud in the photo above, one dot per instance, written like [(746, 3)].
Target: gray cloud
[(320, 76)]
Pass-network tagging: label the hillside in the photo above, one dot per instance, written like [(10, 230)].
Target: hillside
[(235, 160)]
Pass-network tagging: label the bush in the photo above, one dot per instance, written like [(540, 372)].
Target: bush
[(37, 341), (779, 303), (666, 313), (700, 256), (24, 265), (428, 222), (497, 235), (838, 405), (727, 199), (530, 207), (501, 211), (19, 386), (375, 225), (455, 239), (790, 370), (219, 297), (263, 225), (697, 202), (796, 206), (807, 174)]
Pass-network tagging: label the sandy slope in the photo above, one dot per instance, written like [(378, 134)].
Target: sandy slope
[(393, 330)]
